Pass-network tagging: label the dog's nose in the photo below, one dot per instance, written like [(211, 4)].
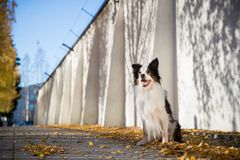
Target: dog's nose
[(142, 76)]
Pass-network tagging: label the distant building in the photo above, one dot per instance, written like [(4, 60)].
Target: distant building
[(25, 110)]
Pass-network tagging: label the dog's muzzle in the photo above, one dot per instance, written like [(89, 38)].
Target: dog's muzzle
[(143, 81)]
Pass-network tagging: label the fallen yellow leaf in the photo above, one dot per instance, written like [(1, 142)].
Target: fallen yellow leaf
[(193, 158), (90, 144), (128, 147), (189, 147), (103, 146), (117, 152), (109, 157), (226, 152), (200, 144), (41, 155)]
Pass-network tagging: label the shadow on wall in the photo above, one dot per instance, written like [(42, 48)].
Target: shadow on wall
[(214, 34)]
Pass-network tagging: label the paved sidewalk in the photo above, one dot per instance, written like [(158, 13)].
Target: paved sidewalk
[(77, 145)]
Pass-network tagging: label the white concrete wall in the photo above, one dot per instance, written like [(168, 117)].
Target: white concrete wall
[(94, 84), (77, 72), (165, 50), (115, 110), (139, 34), (197, 43), (66, 93), (208, 60)]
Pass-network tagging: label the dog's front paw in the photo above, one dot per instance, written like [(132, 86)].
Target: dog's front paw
[(142, 142)]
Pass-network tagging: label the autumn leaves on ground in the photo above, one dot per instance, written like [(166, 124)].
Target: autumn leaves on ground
[(196, 143)]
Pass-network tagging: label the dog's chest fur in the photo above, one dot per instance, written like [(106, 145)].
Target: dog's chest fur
[(151, 108)]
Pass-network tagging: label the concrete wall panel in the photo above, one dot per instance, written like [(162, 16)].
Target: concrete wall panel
[(114, 112), (165, 50), (66, 93), (139, 34), (76, 106), (208, 55), (90, 82)]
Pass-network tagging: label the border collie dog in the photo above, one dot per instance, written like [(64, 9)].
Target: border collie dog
[(153, 106)]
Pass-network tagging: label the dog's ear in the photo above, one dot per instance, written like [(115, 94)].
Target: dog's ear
[(153, 68), (154, 64), (136, 67)]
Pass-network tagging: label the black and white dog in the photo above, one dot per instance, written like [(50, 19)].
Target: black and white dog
[(153, 106)]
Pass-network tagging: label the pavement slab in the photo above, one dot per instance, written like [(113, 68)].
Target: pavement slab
[(76, 144), (96, 142)]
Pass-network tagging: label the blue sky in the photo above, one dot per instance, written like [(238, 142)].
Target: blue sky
[(45, 25)]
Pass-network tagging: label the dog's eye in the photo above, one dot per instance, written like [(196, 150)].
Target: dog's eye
[(139, 72)]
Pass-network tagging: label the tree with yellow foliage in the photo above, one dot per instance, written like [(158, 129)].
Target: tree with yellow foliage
[(9, 73)]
